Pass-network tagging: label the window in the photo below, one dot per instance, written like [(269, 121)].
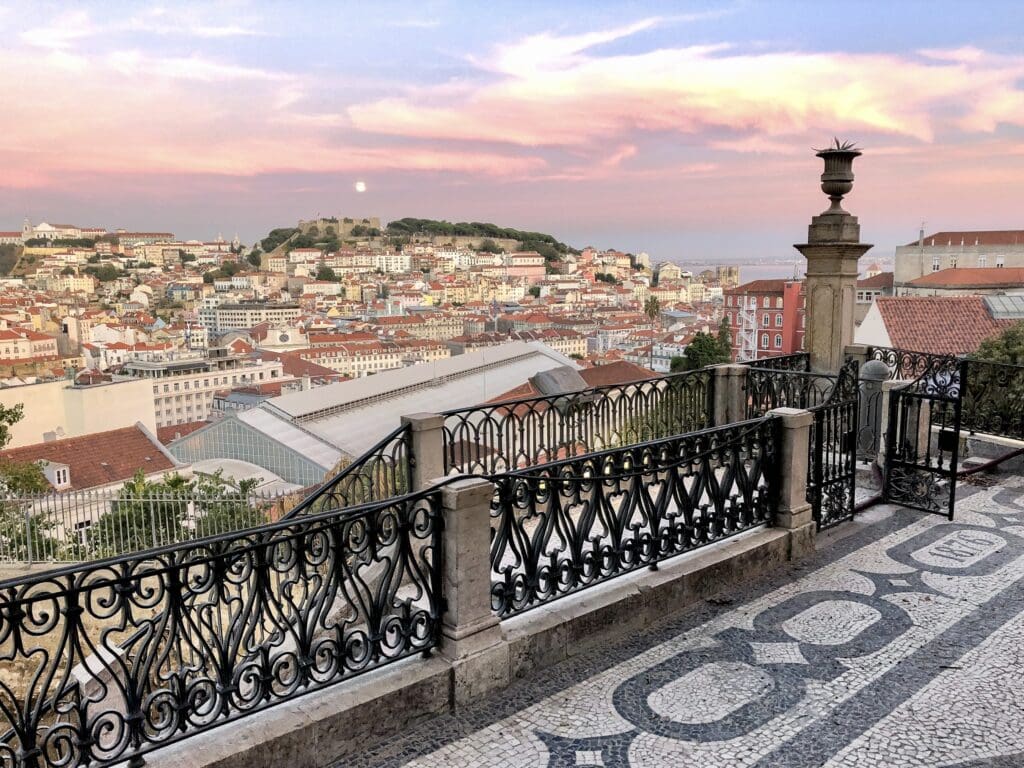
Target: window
[(766, 320), (952, 262), (778, 341), (728, 318), (778, 303), (935, 263), (983, 261), (766, 302), (1000, 262), (764, 340), (778, 320)]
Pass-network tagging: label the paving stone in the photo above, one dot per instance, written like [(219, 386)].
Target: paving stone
[(900, 643)]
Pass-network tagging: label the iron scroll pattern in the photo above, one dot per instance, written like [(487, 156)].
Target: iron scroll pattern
[(798, 361), (909, 365), (500, 437), (106, 662), (382, 473), (768, 388), (832, 451), (923, 440), (993, 399), (565, 526)]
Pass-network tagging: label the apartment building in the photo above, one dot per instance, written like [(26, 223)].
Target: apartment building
[(989, 249), (183, 387), (364, 358), (766, 318), (221, 318)]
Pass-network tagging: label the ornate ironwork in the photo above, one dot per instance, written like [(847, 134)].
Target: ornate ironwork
[(798, 361), (905, 364), (993, 399), (497, 437), (832, 452), (923, 440), (105, 662), (564, 526), (768, 388), (383, 472)]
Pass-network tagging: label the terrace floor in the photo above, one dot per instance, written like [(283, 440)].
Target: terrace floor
[(899, 643)]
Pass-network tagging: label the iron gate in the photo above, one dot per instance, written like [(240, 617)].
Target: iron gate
[(922, 442), (832, 452)]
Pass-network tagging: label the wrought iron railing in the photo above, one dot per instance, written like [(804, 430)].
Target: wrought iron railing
[(564, 526), (767, 388), (798, 361), (498, 437), (993, 399), (106, 662), (909, 365), (383, 472), (832, 451)]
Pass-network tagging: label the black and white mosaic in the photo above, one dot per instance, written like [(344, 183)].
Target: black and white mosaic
[(902, 645)]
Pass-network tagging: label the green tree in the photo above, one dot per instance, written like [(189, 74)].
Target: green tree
[(725, 339), (68, 271), (677, 364), (23, 532), (186, 257), (652, 308), (1006, 347), (488, 246), (704, 350), (535, 291), (326, 273)]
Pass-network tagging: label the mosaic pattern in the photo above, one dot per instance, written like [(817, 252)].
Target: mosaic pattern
[(898, 645)]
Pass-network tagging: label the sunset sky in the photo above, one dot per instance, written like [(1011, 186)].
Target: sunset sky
[(683, 129)]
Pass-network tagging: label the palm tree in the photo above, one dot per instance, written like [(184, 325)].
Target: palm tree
[(652, 308)]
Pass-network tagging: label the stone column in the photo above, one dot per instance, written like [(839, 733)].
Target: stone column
[(730, 397), (793, 512), (427, 445), (832, 249), (470, 632)]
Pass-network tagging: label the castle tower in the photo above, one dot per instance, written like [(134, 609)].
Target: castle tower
[(832, 250)]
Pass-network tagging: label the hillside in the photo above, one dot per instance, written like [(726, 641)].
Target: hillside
[(401, 231), (548, 246), (9, 255)]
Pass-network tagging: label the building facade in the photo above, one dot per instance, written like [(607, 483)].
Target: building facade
[(765, 318)]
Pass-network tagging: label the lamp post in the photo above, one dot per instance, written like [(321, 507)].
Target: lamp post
[(832, 250)]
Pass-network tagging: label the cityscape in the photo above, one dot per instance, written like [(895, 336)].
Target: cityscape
[(472, 405)]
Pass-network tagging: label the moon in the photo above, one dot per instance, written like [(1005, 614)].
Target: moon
[(360, 186)]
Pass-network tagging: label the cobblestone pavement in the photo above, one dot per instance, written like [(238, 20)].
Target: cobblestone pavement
[(900, 643)]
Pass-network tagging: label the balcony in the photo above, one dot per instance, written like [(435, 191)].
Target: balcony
[(496, 540)]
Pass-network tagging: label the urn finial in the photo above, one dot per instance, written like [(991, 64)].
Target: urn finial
[(837, 180)]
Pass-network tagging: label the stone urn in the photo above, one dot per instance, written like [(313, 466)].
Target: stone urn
[(837, 180)]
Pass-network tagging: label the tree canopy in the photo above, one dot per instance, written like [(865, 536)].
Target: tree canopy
[(1006, 347), (704, 350)]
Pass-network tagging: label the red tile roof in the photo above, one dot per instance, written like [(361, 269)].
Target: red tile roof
[(943, 325), (100, 458), (760, 286), (971, 277), (881, 280), (168, 435), (979, 237)]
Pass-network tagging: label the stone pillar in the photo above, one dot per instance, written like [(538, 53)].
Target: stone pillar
[(832, 249), (793, 512), (883, 437), (470, 632), (730, 397), (870, 408), (427, 445)]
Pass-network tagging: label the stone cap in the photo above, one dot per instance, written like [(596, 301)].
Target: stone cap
[(792, 418)]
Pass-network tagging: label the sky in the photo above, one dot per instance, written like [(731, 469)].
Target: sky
[(681, 129)]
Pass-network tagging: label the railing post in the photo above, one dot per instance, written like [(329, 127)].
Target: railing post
[(730, 396), (426, 449), (793, 512), (873, 376), (470, 632), (858, 352), (28, 534)]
